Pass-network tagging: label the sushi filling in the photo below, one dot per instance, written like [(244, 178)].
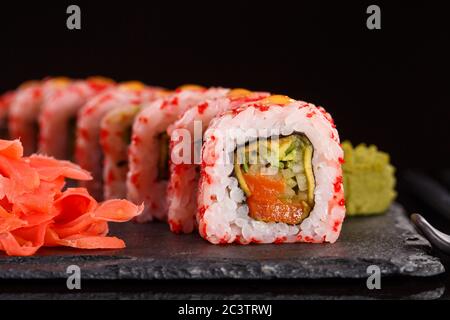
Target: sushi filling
[(126, 136), (163, 158), (277, 178), (71, 137)]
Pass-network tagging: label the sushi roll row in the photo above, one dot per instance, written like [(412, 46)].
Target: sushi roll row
[(88, 150), (42, 112), (236, 165)]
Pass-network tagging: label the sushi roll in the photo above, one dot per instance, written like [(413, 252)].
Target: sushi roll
[(148, 173), (88, 152), (5, 102), (115, 138), (271, 173), (184, 173), (58, 117), (25, 108)]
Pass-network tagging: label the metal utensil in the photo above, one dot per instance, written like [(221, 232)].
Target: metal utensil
[(437, 238)]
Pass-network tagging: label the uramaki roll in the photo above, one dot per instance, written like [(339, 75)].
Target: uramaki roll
[(184, 169), (6, 100), (148, 173), (26, 107), (115, 138), (88, 152), (58, 117), (271, 173)]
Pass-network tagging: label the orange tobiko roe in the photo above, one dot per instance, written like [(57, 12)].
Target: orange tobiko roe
[(264, 202), (36, 212)]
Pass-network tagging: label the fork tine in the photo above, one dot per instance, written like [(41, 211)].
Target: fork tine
[(437, 238)]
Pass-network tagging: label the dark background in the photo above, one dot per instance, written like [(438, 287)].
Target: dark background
[(389, 87)]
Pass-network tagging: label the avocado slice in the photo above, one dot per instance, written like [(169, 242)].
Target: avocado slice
[(241, 179), (307, 159), (288, 144)]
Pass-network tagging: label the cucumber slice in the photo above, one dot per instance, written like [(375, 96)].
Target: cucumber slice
[(302, 182), (287, 173), (245, 166), (291, 182)]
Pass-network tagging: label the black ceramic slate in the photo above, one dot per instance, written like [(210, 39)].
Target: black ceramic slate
[(388, 241)]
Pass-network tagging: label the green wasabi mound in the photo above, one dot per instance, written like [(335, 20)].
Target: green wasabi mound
[(369, 180)]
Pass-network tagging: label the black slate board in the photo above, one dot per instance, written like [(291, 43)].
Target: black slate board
[(388, 241)]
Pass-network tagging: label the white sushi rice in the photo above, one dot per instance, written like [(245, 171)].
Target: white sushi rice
[(223, 212), (142, 183), (55, 116)]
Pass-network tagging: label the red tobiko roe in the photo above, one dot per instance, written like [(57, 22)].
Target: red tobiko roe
[(35, 212)]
